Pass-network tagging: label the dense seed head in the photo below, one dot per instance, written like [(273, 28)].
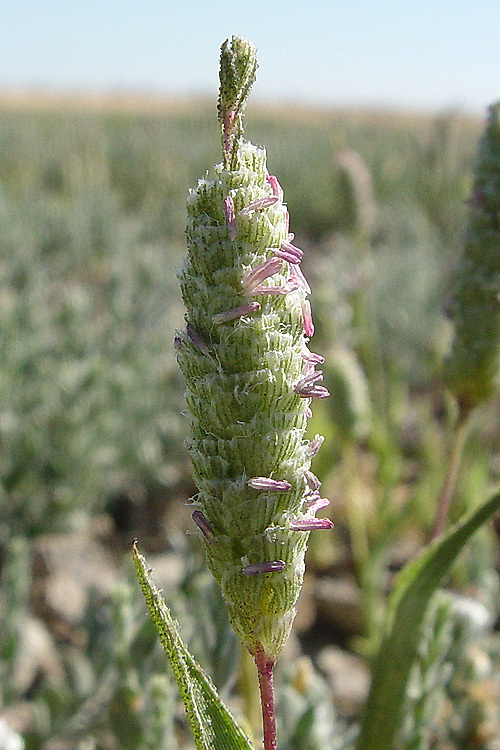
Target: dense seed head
[(242, 357), (473, 366)]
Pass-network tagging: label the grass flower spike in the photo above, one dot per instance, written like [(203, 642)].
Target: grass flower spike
[(250, 379), (473, 366)]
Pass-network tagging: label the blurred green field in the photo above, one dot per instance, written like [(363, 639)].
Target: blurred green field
[(91, 234)]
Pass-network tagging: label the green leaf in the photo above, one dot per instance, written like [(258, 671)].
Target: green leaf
[(416, 584), (212, 725)]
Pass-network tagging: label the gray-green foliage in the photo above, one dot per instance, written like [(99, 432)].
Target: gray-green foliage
[(89, 400), (115, 683), (349, 406), (91, 229), (416, 584), (450, 697), (430, 674), (305, 713), (16, 582)]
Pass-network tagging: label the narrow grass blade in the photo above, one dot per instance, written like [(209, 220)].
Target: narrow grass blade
[(415, 586), (212, 725)]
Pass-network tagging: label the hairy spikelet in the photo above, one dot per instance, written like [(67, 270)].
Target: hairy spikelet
[(249, 378), (473, 365)]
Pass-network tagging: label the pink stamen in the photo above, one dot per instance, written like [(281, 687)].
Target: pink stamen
[(289, 257), (196, 339), (307, 387), (307, 318), (312, 358), (316, 391), (259, 204), (287, 246), (317, 503), (309, 370), (203, 524), (275, 187), (315, 445), (236, 312), (276, 566), (310, 524), (228, 206), (253, 278), (308, 412), (266, 483), (301, 279), (312, 480), (290, 286), (289, 252)]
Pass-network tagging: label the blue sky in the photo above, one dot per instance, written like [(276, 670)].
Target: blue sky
[(411, 55)]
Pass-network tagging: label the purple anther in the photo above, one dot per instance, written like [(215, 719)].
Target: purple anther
[(228, 206), (306, 385), (196, 339), (292, 249), (275, 187), (316, 391), (312, 480), (310, 524), (255, 276), (236, 312), (289, 252), (311, 497), (311, 357), (310, 371), (292, 283), (266, 483), (290, 286), (308, 412), (276, 566), (177, 341), (310, 378), (289, 257), (203, 525), (301, 279), (307, 321), (315, 445), (317, 503), (259, 204)]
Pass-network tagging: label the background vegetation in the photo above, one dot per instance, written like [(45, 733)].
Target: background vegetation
[(92, 432)]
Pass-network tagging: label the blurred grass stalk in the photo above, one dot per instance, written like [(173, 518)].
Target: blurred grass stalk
[(471, 369), (369, 558)]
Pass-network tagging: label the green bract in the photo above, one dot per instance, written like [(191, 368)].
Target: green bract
[(473, 365), (249, 378)]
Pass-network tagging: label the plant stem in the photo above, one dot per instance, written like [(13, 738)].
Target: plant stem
[(265, 672), (444, 502)]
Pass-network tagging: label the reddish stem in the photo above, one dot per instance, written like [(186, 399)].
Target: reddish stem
[(446, 496), (265, 672)]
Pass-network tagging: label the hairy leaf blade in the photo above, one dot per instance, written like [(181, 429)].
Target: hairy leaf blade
[(212, 725)]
